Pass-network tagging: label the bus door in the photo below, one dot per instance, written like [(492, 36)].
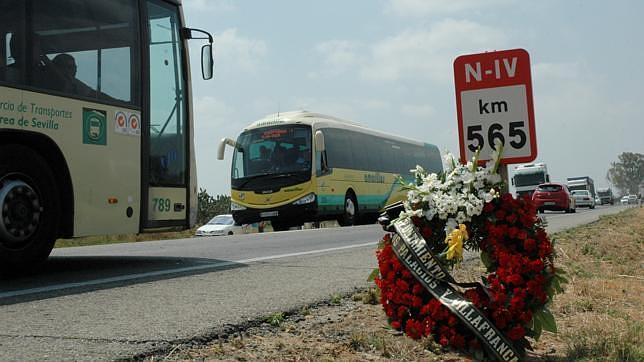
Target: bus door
[(167, 152)]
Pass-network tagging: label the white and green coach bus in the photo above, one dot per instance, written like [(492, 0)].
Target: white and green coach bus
[(96, 132), (300, 166)]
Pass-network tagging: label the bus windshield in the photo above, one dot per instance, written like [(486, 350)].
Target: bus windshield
[(528, 179), (279, 150)]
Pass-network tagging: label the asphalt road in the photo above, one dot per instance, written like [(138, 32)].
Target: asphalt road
[(118, 301)]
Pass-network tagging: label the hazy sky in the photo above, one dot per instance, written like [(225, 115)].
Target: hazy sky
[(388, 65)]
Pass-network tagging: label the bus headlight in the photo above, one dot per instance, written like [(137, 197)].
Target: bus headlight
[(309, 198), (236, 207)]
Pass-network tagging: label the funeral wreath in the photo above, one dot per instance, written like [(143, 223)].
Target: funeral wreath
[(444, 214)]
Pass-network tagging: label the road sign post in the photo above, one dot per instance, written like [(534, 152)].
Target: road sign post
[(494, 103)]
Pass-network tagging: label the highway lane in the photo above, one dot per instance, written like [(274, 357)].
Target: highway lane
[(88, 267), (114, 301)]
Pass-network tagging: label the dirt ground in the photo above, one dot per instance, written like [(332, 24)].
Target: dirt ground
[(600, 315)]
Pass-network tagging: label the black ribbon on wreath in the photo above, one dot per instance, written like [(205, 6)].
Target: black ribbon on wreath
[(411, 249)]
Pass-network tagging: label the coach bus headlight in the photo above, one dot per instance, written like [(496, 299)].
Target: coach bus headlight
[(236, 207), (305, 200)]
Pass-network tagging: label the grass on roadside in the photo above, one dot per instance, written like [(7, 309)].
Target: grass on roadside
[(600, 314)]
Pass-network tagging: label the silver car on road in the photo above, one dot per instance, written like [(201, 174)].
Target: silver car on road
[(583, 198)]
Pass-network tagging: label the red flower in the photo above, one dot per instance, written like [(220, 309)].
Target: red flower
[(530, 245), (516, 333), (426, 231), (458, 341), (511, 218), (536, 266), (414, 329)]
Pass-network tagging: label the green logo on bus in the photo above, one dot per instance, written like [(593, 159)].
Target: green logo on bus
[(94, 127)]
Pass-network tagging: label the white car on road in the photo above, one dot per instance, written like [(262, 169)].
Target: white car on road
[(583, 198), (220, 225)]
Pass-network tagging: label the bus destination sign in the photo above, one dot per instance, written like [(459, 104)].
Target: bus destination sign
[(494, 103)]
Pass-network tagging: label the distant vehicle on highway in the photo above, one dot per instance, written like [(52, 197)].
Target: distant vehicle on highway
[(628, 200), (555, 197), (583, 198), (527, 177), (582, 183), (220, 225), (295, 167), (605, 195)]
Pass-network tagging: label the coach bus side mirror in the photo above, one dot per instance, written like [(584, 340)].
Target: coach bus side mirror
[(206, 51), (222, 147), (206, 61), (547, 178), (319, 141), (320, 148)]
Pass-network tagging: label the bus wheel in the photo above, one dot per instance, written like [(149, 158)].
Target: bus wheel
[(29, 207), (350, 216)]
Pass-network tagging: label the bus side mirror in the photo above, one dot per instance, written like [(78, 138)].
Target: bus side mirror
[(319, 141), (206, 50), (206, 61), (512, 180), (222, 147), (547, 178)]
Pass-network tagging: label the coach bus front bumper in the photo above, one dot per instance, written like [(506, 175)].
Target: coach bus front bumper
[(295, 213)]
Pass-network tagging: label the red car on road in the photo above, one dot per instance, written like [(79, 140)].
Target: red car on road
[(553, 196)]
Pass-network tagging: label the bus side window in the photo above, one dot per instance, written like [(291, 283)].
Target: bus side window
[(13, 48)]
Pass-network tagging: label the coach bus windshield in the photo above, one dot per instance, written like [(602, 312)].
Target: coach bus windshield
[(282, 154)]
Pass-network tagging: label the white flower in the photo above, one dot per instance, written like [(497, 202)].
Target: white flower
[(450, 225), (457, 199), (429, 213)]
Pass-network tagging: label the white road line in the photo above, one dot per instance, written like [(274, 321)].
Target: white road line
[(52, 288)]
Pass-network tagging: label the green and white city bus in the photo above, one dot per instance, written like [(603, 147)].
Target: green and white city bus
[(96, 132), (296, 167)]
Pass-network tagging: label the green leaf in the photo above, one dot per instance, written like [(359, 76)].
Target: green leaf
[(557, 286), (547, 320), (485, 258), (373, 275), (559, 275), (537, 327)]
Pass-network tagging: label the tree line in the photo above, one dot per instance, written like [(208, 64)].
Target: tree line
[(627, 173), (209, 206)]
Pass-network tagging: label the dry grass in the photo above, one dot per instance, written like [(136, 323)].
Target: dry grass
[(600, 315)]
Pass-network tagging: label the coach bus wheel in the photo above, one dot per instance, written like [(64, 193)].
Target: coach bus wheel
[(350, 215), (29, 207)]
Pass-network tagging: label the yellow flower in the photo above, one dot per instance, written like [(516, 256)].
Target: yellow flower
[(454, 241)]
